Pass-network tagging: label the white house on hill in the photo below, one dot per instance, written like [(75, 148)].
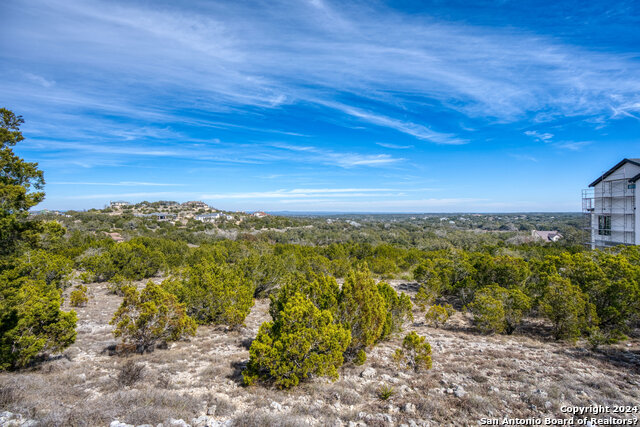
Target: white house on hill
[(118, 204), (610, 205)]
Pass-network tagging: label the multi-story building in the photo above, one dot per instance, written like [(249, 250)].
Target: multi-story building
[(609, 206)]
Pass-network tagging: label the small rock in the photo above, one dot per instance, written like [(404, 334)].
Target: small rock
[(368, 373), (494, 389), (205, 421), (5, 416), (547, 405), (409, 408), (392, 409), (404, 389), (117, 423), (178, 423), (211, 410), (540, 393), (276, 406), (449, 391), (459, 391)]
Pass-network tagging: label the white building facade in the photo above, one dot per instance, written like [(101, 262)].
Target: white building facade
[(610, 205)]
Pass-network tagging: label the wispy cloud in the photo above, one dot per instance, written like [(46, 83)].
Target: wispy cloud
[(540, 136), (40, 80), (118, 184), (572, 146), (524, 157), (394, 146), (136, 195), (225, 57), (416, 130), (341, 159), (300, 193)]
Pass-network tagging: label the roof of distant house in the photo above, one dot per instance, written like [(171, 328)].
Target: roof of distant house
[(546, 235)]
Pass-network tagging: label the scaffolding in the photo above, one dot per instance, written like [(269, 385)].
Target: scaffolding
[(608, 212)]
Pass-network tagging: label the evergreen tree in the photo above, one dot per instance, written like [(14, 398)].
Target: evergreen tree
[(151, 316), (31, 320), (301, 342)]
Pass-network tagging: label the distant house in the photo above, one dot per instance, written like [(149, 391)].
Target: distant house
[(118, 204), (195, 204), (609, 206), (546, 236), (160, 216), (260, 214), (208, 217)]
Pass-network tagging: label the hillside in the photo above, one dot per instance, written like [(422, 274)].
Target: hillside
[(473, 376)]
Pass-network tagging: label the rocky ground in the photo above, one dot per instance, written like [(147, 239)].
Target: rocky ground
[(198, 382)]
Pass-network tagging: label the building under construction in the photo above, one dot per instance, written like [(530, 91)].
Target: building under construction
[(609, 206)]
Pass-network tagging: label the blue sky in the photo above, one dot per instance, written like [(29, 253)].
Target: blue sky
[(402, 106)]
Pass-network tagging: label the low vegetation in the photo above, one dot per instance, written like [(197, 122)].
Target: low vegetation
[(151, 316)]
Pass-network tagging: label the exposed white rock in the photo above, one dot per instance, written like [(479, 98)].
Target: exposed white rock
[(368, 373)]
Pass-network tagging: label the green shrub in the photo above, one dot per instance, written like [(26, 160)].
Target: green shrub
[(150, 316), (437, 315), (323, 291), (86, 277), (45, 266), (415, 353), (131, 260), (398, 309), (361, 357), (428, 292), (31, 321), (213, 294), (567, 308), (116, 284), (362, 309), (497, 309), (301, 341), (385, 392), (488, 313), (78, 297), (264, 272)]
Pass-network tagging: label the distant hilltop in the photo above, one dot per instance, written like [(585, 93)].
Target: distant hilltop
[(168, 210)]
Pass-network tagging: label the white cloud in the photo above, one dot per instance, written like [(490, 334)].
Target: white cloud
[(117, 184), (572, 146), (227, 56), (544, 137), (394, 146), (341, 159)]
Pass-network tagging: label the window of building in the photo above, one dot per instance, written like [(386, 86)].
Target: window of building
[(604, 225)]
